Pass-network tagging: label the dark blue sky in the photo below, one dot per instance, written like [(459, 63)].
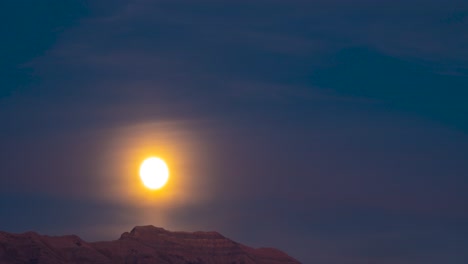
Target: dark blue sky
[(336, 131)]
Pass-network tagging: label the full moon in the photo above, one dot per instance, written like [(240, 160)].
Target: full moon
[(154, 173)]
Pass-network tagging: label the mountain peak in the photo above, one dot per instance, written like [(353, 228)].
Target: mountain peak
[(147, 229), (150, 231), (143, 244)]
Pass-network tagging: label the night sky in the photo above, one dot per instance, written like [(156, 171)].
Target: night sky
[(334, 130)]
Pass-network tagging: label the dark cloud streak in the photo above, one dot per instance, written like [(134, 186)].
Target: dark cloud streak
[(334, 130)]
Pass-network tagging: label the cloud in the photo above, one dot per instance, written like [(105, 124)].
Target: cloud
[(290, 136)]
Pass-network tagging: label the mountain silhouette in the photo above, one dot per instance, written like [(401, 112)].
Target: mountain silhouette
[(143, 244)]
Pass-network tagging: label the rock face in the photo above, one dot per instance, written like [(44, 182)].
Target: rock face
[(144, 244)]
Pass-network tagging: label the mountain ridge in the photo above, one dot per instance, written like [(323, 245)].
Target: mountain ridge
[(143, 244)]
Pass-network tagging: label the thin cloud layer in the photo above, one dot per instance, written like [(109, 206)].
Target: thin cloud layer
[(333, 130)]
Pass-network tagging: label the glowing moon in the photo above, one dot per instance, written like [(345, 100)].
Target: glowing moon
[(154, 173)]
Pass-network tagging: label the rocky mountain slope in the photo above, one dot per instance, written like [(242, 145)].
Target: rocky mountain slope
[(144, 244)]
